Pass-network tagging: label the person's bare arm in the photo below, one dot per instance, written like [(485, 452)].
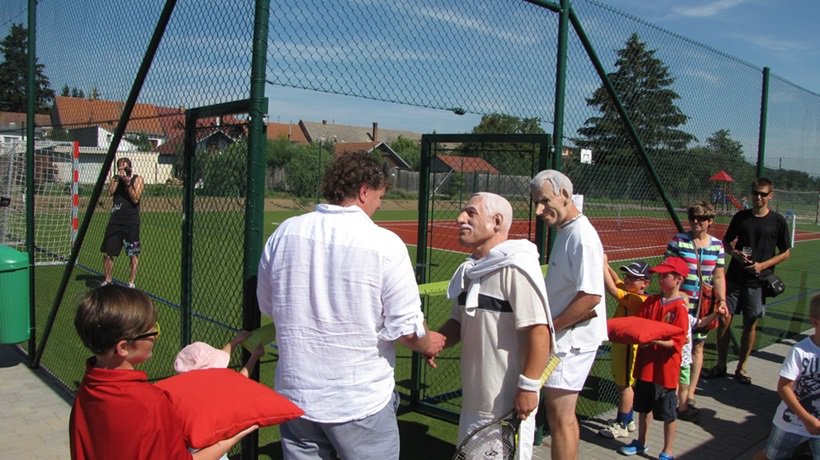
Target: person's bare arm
[(451, 330), (251, 363), (785, 388), (430, 345), (719, 291), (538, 349), (581, 308), (134, 187), (112, 184), (216, 451), (611, 280), (769, 263)]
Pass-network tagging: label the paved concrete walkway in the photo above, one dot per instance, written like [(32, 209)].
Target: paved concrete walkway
[(34, 423), (735, 418)]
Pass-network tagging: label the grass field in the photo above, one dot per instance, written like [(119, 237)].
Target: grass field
[(218, 241)]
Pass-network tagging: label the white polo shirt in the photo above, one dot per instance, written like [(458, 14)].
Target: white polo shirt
[(340, 290), (577, 264)]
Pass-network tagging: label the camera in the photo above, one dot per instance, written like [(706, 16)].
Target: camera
[(128, 171)]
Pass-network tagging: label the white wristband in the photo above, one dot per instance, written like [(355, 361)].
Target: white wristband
[(527, 384)]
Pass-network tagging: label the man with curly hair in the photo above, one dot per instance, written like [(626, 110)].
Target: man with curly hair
[(341, 291)]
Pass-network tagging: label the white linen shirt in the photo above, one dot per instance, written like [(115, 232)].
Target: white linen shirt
[(577, 264), (340, 290)]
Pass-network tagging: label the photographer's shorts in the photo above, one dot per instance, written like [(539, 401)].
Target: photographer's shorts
[(118, 236)]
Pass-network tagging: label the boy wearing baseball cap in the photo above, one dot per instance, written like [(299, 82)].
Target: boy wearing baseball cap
[(630, 295), (657, 366)]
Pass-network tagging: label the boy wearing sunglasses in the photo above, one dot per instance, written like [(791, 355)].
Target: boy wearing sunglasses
[(117, 413), (757, 239)]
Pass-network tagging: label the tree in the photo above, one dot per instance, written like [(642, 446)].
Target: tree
[(408, 149), (140, 140), (500, 123), (642, 83), (508, 158), (14, 71), (224, 172), (304, 172)]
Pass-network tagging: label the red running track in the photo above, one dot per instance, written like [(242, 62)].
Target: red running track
[(622, 238)]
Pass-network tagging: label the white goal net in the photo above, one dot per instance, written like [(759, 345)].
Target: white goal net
[(55, 198)]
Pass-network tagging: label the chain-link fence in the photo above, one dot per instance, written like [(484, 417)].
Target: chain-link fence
[(695, 111)]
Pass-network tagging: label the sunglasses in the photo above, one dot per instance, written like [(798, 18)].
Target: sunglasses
[(761, 194), (147, 335), (701, 218)]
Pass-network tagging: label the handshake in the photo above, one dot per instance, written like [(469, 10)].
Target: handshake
[(435, 342)]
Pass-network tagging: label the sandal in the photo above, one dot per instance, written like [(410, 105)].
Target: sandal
[(689, 415), (713, 372), (691, 407), (742, 377)]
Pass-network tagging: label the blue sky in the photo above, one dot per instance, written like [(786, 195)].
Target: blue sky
[(780, 35)]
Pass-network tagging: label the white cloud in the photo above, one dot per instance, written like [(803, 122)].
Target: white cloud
[(772, 43), (706, 10)]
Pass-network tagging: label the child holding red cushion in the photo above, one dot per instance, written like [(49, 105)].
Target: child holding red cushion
[(117, 413), (657, 366)]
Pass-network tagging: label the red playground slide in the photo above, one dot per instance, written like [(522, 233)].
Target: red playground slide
[(734, 200)]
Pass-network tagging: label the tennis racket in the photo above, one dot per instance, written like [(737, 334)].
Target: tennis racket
[(498, 439)]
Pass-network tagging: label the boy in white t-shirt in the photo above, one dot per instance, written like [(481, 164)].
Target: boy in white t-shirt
[(797, 418)]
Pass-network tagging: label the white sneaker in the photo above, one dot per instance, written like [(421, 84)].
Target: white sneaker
[(614, 431), (131, 285), (631, 426)]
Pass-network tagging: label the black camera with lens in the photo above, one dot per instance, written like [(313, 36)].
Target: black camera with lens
[(128, 171)]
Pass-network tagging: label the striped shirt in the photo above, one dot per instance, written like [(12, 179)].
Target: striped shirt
[(711, 257)]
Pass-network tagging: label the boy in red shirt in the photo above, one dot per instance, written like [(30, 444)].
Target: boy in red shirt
[(117, 413), (657, 366)]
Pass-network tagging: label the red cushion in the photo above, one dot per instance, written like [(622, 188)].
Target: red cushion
[(634, 329), (216, 404)]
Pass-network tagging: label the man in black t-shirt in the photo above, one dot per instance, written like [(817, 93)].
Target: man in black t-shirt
[(124, 224), (757, 239)]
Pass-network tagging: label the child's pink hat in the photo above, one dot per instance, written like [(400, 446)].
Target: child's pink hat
[(200, 355)]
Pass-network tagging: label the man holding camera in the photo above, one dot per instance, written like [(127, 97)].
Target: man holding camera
[(124, 224)]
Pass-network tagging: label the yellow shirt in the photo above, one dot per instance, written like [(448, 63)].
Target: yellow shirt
[(629, 303)]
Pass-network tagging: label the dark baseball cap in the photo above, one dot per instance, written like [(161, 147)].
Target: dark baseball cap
[(638, 269)]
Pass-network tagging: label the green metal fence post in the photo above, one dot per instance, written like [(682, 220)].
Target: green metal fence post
[(764, 110), (255, 199), (31, 97)]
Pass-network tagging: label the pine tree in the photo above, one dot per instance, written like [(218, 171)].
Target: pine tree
[(642, 83), (13, 73)]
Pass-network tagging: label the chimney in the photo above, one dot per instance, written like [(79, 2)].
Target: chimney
[(375, 132)]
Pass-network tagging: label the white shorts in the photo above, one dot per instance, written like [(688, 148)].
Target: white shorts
[(572, 371)]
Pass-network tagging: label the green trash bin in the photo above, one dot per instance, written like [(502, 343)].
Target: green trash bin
[(14, 308)]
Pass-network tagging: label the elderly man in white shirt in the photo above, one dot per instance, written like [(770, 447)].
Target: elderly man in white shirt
[(341, 291), (575, 288)]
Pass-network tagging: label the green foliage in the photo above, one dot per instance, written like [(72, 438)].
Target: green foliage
[(408, 149), (304, 172), (140, 140), (281, 151), (643, 84), (224, 172), (510, 159), (500, 123), (14, 72)]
